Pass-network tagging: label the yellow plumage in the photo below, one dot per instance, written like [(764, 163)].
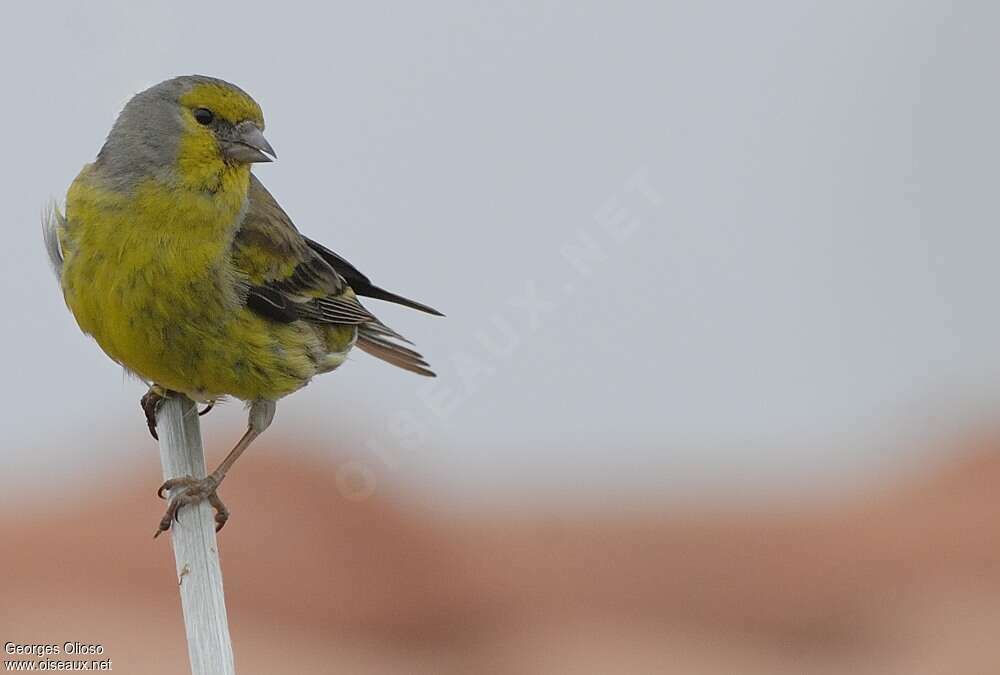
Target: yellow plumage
[(187, 272), (162, 297)]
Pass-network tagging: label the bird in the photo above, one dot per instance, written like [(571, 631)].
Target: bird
[(173, 256)]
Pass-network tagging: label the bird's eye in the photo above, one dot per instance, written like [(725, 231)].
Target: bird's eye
[(203, 116)]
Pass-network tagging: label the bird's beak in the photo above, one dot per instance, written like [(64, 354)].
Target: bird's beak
[(248, 145)]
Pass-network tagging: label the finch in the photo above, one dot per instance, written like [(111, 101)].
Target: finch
[(174, 257)]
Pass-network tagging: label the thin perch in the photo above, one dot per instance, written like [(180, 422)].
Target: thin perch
[(199, 574)]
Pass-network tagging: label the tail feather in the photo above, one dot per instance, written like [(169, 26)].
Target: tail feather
[(372, 338), (52, 220), (382, 330)]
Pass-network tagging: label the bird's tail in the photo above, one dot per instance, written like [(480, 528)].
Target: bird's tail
[(381, 342), (52, 221)]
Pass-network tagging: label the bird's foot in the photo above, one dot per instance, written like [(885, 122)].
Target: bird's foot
[(150, 403), (190, 491), (153, 399)]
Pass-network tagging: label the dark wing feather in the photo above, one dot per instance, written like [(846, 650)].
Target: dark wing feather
[(269, 302), (289, 279), (361, 284)]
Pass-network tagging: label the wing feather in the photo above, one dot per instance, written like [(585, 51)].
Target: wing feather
[(291, 278), (361, 284)]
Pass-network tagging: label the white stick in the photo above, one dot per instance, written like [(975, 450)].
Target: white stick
[(199, 573)]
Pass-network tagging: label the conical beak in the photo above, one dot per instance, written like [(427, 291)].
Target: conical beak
[(249, 145)]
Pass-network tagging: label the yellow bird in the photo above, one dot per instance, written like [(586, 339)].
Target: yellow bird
[(188, 273)]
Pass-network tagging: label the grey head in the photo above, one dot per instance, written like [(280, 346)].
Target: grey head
[(146, 139)]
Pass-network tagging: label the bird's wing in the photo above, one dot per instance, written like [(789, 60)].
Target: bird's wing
[(289, 280), (361, 284)]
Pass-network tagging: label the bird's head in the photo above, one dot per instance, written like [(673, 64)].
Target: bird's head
[(191, 129)]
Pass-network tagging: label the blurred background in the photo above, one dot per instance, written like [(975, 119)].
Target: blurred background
[(717, 384)]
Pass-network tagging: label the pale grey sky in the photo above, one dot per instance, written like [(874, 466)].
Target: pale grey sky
[(786, 210)]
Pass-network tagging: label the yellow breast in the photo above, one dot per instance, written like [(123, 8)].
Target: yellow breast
[(147, 274)]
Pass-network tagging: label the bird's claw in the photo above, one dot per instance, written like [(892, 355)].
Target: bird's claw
[(150, 403), (190, 491)]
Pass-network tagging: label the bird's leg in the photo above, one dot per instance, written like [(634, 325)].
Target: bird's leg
[(150, 403), (190, 490)]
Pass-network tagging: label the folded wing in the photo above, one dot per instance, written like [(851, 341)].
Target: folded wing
[(290, 278)]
